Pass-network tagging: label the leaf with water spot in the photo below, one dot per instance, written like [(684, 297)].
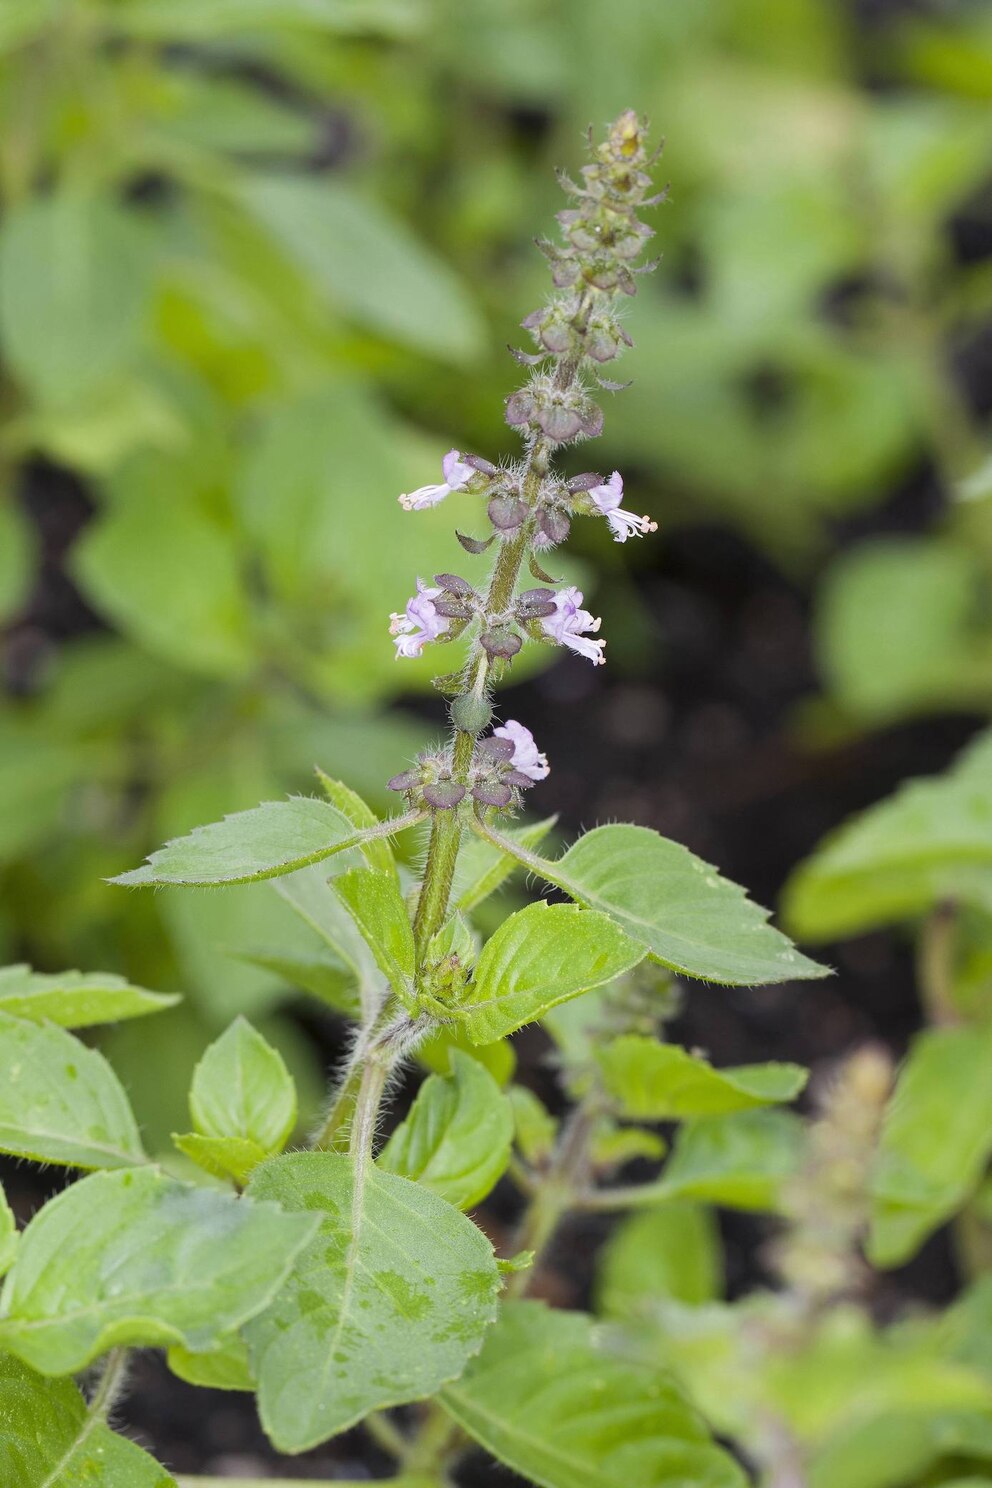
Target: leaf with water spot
[(389, 1299)]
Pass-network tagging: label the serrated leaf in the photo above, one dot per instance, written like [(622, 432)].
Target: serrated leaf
[(673, 1251), (8, 1234), (242, 1089), (388, 1301), (225, 1367), (652, 1081), (935, 1142), (380, 914), (539, 957), (49, 1439), (930, 841), (377, 852), (61, 1102), (76, 999), (548, 1402), (674, 905), (135, 1257), (456, 1139), (483, 868), (269, 840)]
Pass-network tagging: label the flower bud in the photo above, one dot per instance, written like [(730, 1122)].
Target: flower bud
[(470, 714), (501, 641)]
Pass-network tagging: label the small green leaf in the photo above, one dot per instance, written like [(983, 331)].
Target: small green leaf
[(388, 1301), (225, 1367), (269, 840), (380, 914), (50, 1440), (222, 1157), (672, 1252), (483, 868), (242, 1089), (652, 1081), (436, 1050), (135, 1257), (930, 841), (540, 956), (8, 1234), (674, 905), (61, 1102), (378, 853), (545, 1399), (76, 999), (535, 1129), (936, 1139), (456, 1139)]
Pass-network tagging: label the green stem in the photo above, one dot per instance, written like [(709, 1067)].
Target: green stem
[(109, 1385), (935, 965)]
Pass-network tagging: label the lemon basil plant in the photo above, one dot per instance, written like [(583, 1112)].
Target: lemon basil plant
[(338, 1276)]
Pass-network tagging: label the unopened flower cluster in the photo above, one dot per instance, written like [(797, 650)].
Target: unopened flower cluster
[(529, 507)]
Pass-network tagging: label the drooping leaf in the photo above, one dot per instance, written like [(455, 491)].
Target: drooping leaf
[(49, 1438), (310, 896), (73, 291), (242, 1088), (388, 1301), (225, 1367), (61, 1102), (374, 901), (456, 1139), (545, 1399), (135, 1257), (541, 956), (674, 905), (737, 1162), (936, 1139), (365, 261), (76, 999), (321, 974), (269, 840), (930, 841), (673, 1251), (652, 1081)]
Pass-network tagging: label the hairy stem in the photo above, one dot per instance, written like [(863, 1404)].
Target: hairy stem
[(109, 1385)]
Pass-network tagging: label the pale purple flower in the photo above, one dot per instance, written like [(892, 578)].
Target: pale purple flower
[(420, 623), (607, 498), (526, 757), (569, 623), (456, 477)]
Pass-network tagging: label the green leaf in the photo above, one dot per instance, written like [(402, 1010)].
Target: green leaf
[(222, 1157), (168, 575), (534, 1127), (366, 261), (380, 914), (207, 20), (225, 1367), (8, 1234), (652, 1081), (241, 1088), (76, 999), (936, 1139), (377, 851), (269, 840), (73, 292), (388, 1301), (540, 956), (930, 841), (50, 1440), (483, 868), (322, 975), (436, 1051), (545, 1399), (675, 905), (136, 1258), (672, 1252), (456, 1139), (310, 896), (61, 1102)]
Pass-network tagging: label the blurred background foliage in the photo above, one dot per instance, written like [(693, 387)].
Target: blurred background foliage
[(258, 259)]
